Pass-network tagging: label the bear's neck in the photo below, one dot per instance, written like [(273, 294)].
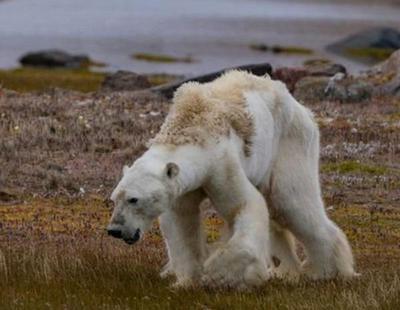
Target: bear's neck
[(193, 162)]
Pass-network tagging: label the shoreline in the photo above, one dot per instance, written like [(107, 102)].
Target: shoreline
[(213, 38)]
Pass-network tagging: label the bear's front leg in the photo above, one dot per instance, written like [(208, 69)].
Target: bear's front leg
[(244, 260), (185, 240)]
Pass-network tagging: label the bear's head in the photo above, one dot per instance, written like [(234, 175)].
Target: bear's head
[(143, 193)]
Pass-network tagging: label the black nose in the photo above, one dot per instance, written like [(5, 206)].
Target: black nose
[(134, 238), (115, 233)]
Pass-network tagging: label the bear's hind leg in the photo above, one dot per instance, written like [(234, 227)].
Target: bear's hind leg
[(285, 262), (295, 196), (327, 248)]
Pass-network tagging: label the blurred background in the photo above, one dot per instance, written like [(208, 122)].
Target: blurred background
[(193, 37)]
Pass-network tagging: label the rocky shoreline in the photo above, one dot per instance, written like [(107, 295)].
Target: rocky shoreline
[(317, 80)]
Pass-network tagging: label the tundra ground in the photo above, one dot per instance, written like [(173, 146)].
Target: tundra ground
[(62, 152)]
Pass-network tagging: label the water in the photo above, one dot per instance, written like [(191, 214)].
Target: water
[(215, 33)]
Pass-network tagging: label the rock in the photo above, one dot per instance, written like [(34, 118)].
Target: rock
[(54, 58), (290, 76), (368, 46), (7, 196), (168, 90), (325, 69), (336, 88), (333, 85), (386, 76), (391, 88), (125, 80), (277, 49), (311, 88), (259, 47), (358, 91), (391, 65), (380, 37)]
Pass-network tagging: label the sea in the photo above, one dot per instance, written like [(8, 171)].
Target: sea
[(215, 33)]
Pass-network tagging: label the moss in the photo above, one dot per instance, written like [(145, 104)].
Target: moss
[(93, 63), (161, 58), (159, 79), (350, 166), (316, 62), (291, 50), (35, 79), (374, 53), (277, 49)]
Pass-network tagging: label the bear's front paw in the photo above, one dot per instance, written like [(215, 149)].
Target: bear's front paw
[(183, 283), (235, 268), (167, 271)]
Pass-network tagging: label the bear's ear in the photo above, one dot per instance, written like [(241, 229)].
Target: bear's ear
[(125, 169), (171, 170)]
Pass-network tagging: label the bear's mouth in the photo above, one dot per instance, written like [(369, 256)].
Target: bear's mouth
[(134, 239)]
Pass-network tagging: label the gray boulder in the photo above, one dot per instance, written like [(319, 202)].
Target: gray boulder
[(386, 76), (168, 90), (54, 58), (312, 68), (336, 88), (325, 69), (371, 45), (392, 87)]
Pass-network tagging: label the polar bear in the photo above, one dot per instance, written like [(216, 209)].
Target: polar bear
[(246, 144)]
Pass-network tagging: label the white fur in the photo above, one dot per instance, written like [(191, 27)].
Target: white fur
[(282, 170)]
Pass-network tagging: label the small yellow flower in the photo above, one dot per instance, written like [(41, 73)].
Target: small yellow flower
[(16, 128)]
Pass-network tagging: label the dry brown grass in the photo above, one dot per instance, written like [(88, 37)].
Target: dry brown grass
[(54, 254), (53, 249), (59, 141)]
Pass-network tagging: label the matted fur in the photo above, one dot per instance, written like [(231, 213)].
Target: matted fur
[(211, 110), (227, 115)]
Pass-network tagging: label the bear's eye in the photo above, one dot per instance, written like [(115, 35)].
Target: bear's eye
[(133, 200)]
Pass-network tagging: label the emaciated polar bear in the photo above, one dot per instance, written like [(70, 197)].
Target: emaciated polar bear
[(241, 141)]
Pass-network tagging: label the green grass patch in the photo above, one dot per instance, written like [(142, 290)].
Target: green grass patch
[(161, 58), (374, 53), (35, 79), (352, 166)]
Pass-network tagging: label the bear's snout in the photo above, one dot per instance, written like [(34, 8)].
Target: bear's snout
[(116, 233), (135, 237)]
